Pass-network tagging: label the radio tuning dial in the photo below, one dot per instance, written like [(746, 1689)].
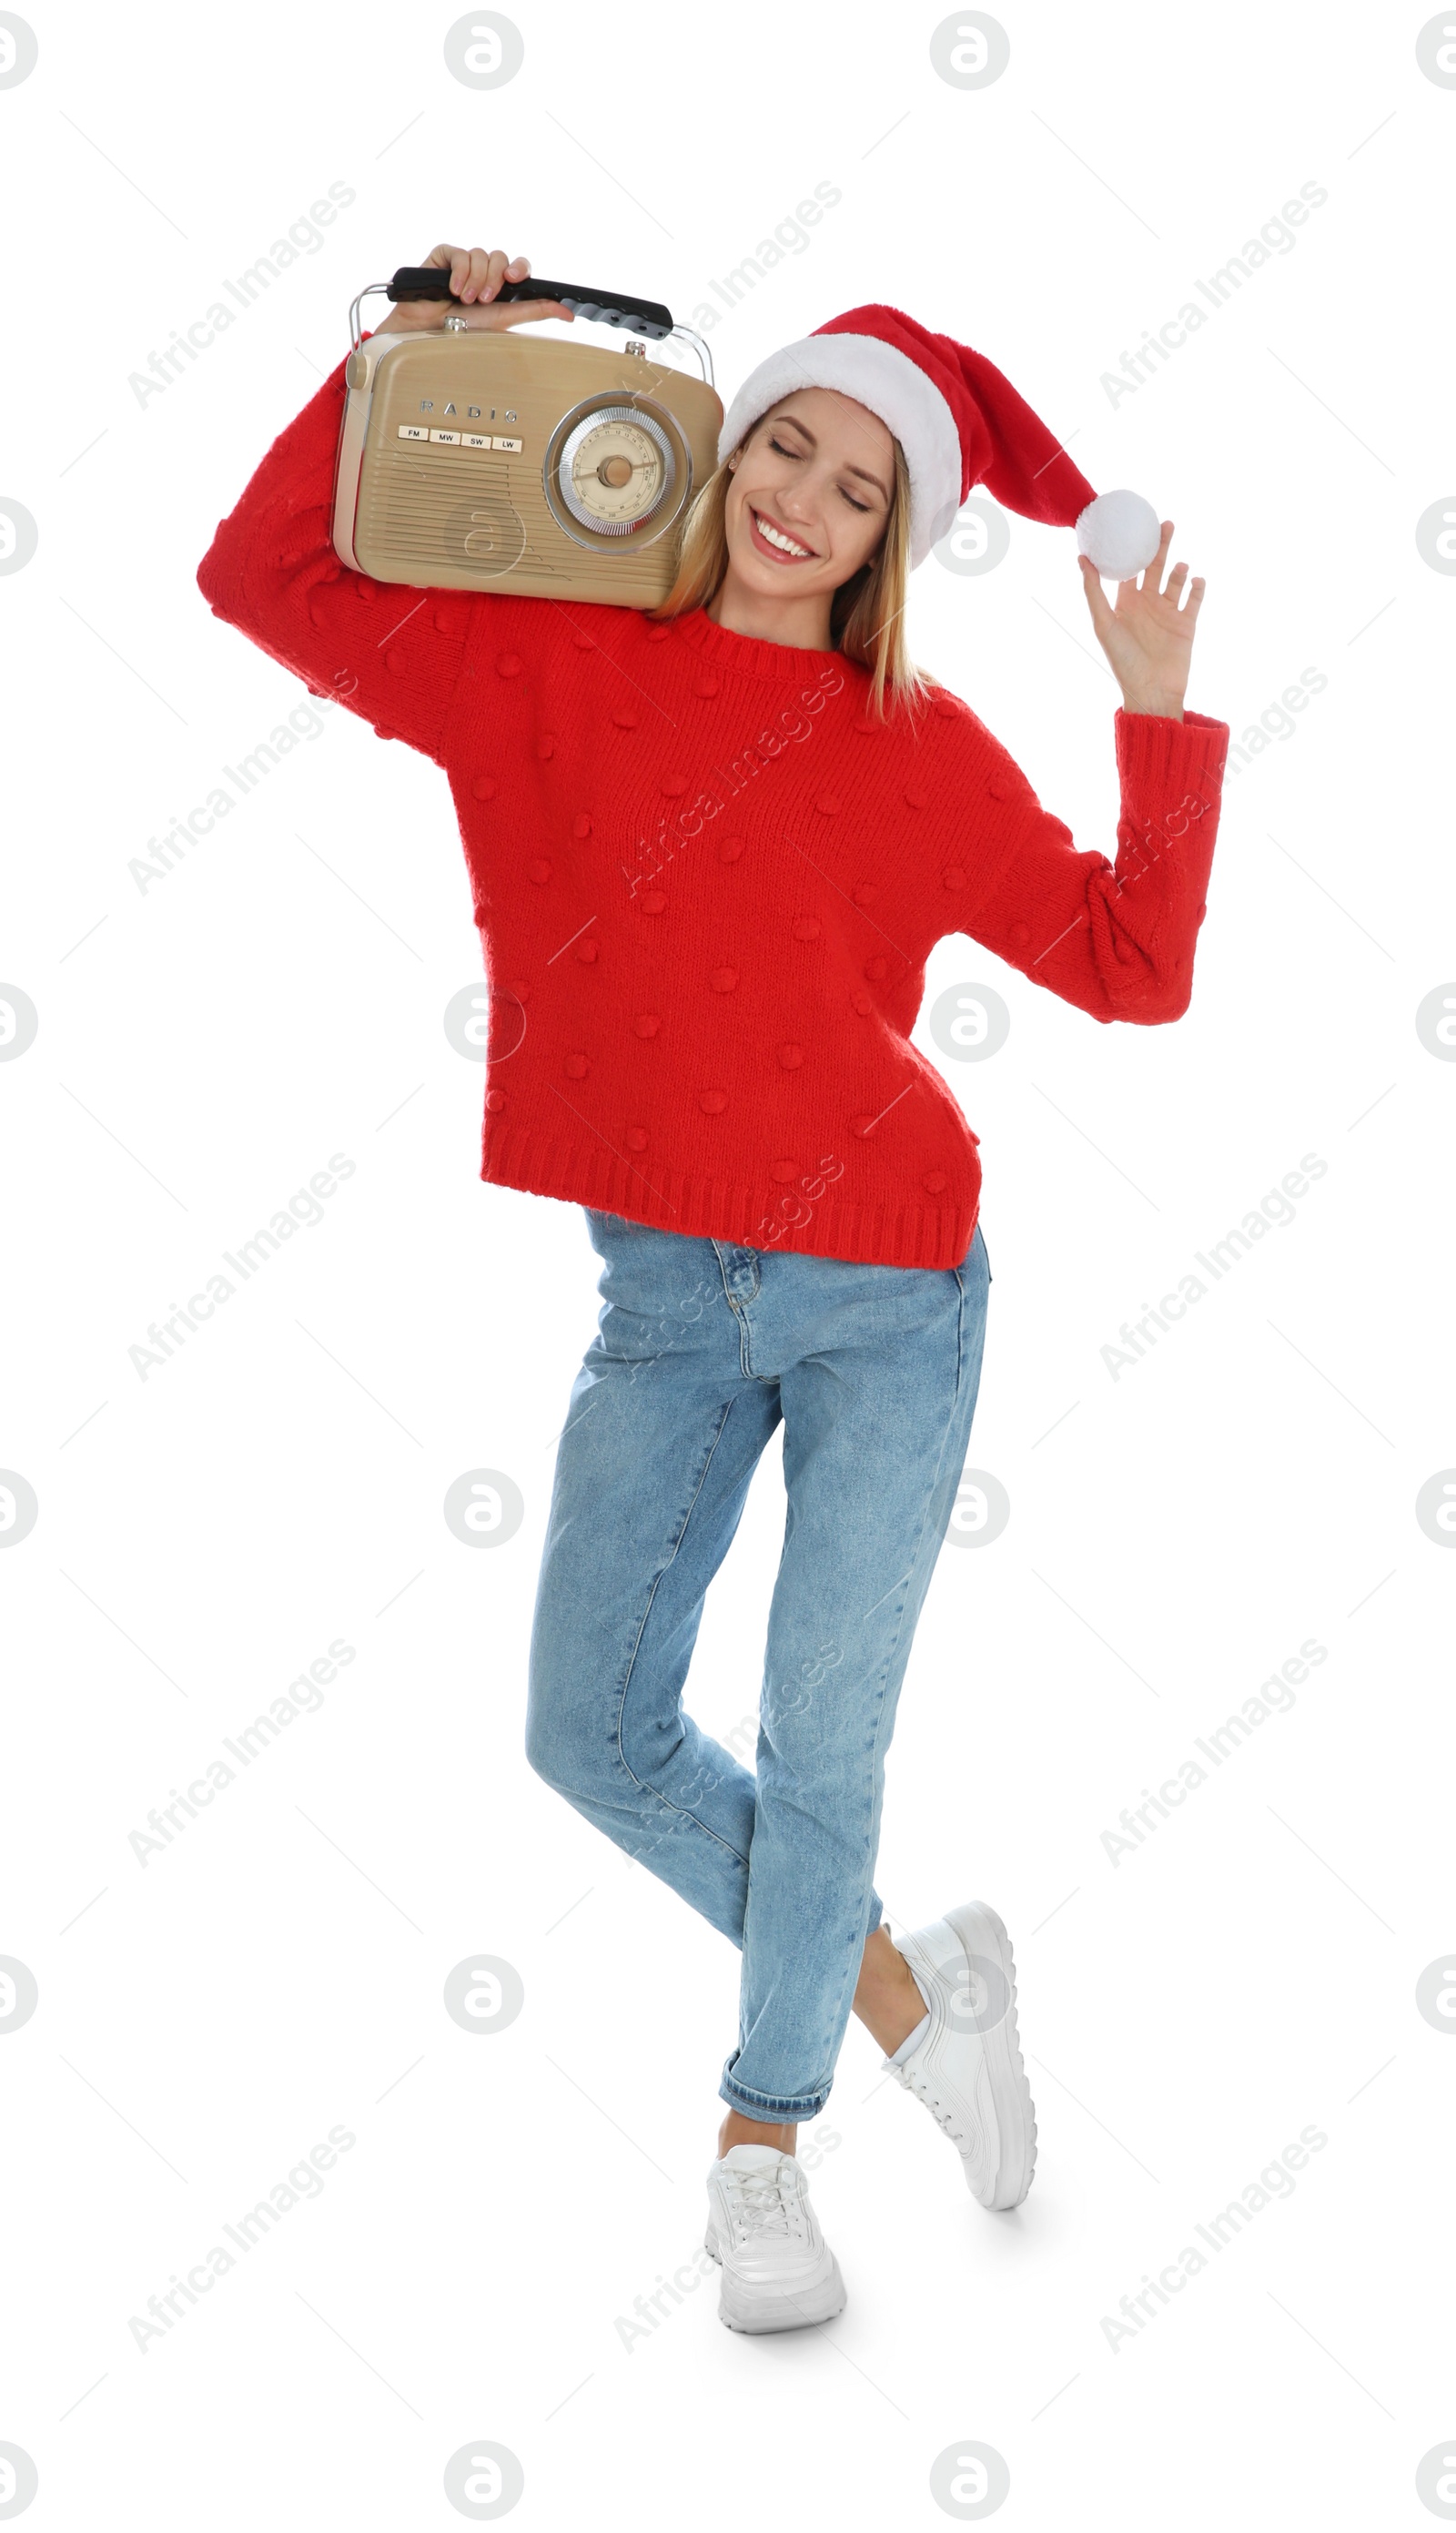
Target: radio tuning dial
[(614, 469)]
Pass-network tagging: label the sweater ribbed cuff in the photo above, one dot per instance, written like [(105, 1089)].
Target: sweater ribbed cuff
[(1154, 752)]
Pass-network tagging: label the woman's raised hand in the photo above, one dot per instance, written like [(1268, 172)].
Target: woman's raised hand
[(476, 275), (1148, 635)]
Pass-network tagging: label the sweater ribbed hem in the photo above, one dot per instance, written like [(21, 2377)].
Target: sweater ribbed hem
[(924, 1235)]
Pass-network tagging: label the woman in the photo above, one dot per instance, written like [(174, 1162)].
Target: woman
[(712, 845)]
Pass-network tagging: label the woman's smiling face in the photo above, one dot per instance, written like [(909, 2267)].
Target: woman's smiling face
[(809, 496)]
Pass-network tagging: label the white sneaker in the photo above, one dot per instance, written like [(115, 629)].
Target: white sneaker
[(779, 2273), (968, 2070)]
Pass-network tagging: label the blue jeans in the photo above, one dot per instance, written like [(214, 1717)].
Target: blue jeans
[(704, 1346)]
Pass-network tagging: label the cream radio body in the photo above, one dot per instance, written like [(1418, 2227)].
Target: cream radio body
[(478, 460)]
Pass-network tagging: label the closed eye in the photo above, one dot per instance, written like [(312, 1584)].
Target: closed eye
[(798, 453)]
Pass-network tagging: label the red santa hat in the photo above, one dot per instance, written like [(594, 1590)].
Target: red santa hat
[(960, 423)]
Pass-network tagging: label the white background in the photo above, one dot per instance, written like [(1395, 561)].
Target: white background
[(1176, 1533)]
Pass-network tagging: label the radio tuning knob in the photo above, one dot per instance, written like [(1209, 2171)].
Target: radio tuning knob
[(355, 371)]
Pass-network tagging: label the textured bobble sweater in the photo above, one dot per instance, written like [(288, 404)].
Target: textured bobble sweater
[(707, 882)]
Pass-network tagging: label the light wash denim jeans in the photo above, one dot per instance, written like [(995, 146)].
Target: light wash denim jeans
[(704, 1346)]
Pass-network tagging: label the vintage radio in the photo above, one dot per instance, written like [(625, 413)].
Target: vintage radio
[(473, 460)]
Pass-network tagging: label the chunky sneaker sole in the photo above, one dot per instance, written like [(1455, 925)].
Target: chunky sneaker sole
[(968, 2069), (778, 2308), (779, 2273)]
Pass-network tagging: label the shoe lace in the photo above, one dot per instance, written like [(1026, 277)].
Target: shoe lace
[(762, 2202), (915, 2081)]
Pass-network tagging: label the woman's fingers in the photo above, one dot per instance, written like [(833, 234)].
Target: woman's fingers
[(476, 277), (1154, 573), (1193, 597), (528, 311), (476, 272), (1101, 612)]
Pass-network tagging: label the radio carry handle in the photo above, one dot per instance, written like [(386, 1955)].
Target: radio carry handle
[(608, 307), (646, 316)]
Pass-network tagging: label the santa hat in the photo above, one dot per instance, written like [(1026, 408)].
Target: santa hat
[(960, 423)]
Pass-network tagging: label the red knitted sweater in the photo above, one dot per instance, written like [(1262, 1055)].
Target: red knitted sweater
[(707, 882)]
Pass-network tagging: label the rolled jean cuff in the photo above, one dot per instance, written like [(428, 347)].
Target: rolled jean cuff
[(770, 2108)]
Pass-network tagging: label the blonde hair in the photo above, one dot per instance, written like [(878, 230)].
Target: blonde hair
[(867, 614)]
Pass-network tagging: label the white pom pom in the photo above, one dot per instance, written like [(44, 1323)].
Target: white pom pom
[(1120, 534)]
